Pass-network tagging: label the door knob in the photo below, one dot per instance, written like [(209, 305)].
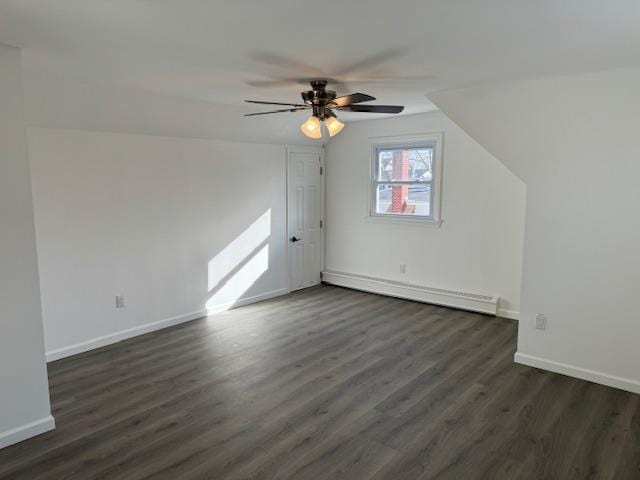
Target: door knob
[(294, 239)]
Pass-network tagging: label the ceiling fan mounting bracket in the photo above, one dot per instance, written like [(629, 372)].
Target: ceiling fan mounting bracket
[(318, 84)]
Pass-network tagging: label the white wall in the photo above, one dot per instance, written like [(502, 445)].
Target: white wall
[(24, 393), (478, 248), (148, 217), (574, 141)]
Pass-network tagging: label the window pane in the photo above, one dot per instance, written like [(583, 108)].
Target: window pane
[(408, 200), (405, 164)]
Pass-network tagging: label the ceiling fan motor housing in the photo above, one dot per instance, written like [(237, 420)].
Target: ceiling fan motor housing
[(319, 98)]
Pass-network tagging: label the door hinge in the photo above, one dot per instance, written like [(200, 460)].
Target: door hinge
[(321, 170), (321, 223)]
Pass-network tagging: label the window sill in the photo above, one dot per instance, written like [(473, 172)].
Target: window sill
[(417, 222)]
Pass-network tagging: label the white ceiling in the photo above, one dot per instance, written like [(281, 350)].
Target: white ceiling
[(398, 51)]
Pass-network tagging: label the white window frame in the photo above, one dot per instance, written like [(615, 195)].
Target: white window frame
[(434, 140)]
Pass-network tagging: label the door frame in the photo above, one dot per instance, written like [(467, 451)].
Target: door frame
[(321, 152)]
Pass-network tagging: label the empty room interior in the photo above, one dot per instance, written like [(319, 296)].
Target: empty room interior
[(319, 240)]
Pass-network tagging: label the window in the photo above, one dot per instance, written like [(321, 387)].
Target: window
[(405, 180)]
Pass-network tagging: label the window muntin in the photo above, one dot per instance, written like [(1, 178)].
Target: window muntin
[(403, 181)]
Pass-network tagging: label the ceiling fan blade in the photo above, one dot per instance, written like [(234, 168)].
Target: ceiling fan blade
[(352, 98), (391, 80), (275, 82), (374, 60), (291, 64), (277, 103), (276, 111), (288, 81), (373, 108)]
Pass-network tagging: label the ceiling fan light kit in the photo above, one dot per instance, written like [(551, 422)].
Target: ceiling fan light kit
[(312, 128), (322, 103), (334, 126)]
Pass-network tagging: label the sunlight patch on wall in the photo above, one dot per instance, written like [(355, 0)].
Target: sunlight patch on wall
[(238, 250), (231, 291), (239, 265)]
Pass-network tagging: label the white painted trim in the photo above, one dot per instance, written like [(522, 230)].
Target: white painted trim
[(511, 314), (121, 335), (223, 307), (26, 431), (450, 298), (408, 140), (401, 137), (403, 221), (159, 325), (594, 376)]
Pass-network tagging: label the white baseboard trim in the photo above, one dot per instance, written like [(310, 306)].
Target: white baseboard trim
[(153, 326), (511, 314), (614, 381), (448, 298), (223, 307), (27, 430), (115, 337)]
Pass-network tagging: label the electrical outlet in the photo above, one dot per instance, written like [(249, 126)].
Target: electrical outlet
[(120, 301), (541, 321), (403, 268)]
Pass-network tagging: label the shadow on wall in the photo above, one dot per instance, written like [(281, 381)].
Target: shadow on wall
[(239, 265)]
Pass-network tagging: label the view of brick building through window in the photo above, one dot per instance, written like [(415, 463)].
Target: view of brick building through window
[(400, 193), (403, 181)]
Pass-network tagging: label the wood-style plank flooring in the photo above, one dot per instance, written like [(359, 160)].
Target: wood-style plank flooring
[(327, 383)]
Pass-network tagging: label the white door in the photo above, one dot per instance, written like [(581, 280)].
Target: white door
[(305, 218)]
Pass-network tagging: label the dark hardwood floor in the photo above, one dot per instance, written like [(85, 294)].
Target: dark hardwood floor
[(327, 383)]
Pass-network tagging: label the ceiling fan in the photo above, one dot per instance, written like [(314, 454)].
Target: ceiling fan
[(322, 103)]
